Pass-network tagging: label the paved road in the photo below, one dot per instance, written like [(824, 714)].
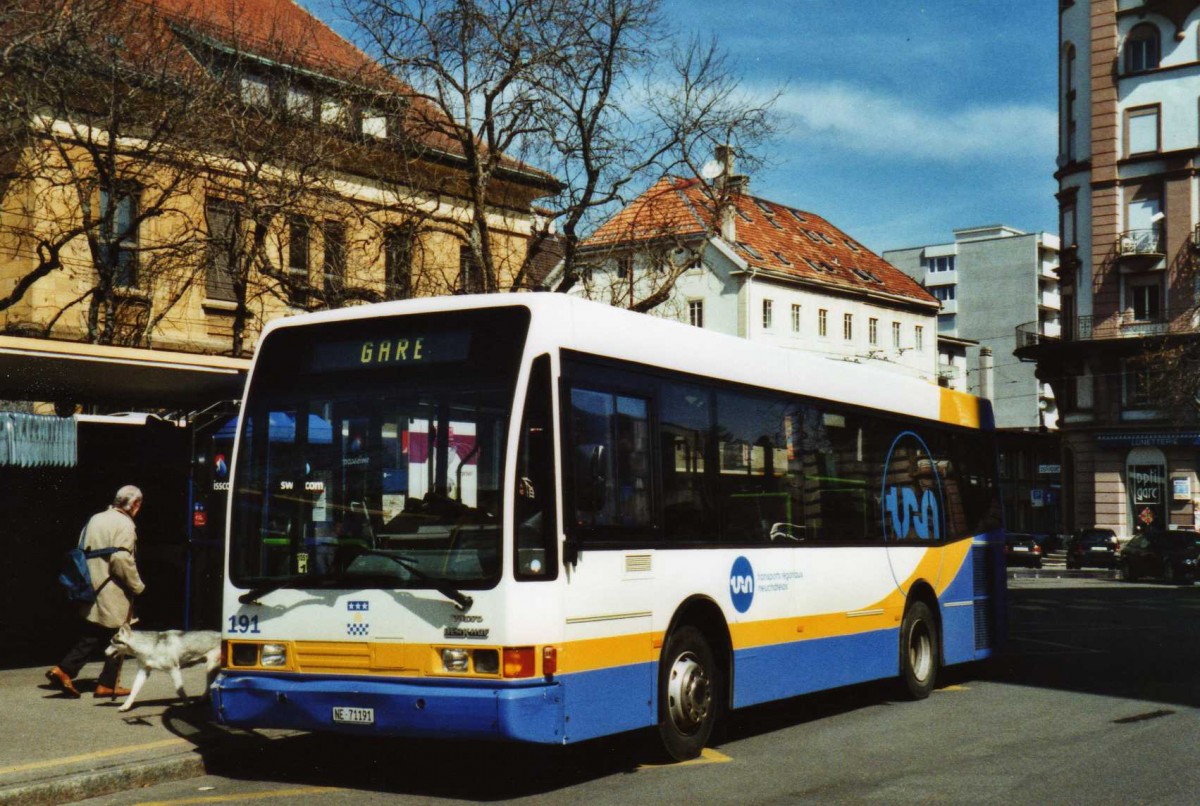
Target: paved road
[(1098, 702)]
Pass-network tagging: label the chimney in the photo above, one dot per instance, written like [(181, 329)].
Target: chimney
[(730, 184), (985, 372)]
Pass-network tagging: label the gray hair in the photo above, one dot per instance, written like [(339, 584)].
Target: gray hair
[(126, 497)]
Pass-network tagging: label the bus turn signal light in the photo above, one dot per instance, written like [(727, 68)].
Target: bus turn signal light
[(549, 660), (519, 661)]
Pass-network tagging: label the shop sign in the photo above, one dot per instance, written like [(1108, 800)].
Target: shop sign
[(1049, 470), (1147, 482), (1181, 488)]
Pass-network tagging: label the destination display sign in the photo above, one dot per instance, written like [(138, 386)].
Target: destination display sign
[(402, 349)]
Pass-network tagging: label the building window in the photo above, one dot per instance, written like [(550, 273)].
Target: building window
[(1141, 130), (822, 322), (334, 267), (1145, 301), (1142, 48), (940, 264), (919, 338), (399, 243), (896, 335), (766, 314), (1069, 94), (297, 259), (222, 249), (625, 266), (873, 330), (255, 90), (795, 318), (696, 312), (944, 292), (848, 326), (119, 232), (299, 101), (374, 124), (1142, 386), (334, 112), (469, 276)]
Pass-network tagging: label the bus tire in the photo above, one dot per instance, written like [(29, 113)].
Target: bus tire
[(918, 651), (689, 694)]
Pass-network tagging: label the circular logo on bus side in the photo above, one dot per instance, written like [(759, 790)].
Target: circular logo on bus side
[(913, 507), (741, 584)]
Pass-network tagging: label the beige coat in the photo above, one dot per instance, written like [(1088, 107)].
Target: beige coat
[(112, 528)]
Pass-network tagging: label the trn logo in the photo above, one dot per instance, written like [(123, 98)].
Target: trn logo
[(912, 491), (741, 584)]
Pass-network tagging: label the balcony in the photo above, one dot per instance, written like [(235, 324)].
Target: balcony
[(1141, 248), (1120, 325)]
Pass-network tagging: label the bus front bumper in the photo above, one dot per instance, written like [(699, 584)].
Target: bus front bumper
[(391, 707)]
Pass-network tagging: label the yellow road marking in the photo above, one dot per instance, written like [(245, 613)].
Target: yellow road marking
[(116, 751), (241, 797), (954, 688), (279, 793), (707, 756)]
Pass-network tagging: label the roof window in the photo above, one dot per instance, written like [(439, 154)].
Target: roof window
[(796, 215), (750, 250), (782, 259), (745, 216), (853, 246), (812, 236), (766, 208)]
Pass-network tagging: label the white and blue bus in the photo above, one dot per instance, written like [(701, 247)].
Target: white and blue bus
[(534, 518)]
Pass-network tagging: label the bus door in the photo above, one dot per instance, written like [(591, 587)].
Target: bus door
[(610, 580)]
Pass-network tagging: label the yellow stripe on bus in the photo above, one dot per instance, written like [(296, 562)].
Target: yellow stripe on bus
[(959, 408)]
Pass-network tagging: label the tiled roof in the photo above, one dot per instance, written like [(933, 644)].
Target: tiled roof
[(271, 29), (770, 236), (276, 31)]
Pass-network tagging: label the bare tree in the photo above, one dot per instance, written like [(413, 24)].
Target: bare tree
[(596, 92)]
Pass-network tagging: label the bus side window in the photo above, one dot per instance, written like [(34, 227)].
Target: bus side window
[(688, 502), (609, 456), (535, 520), (759, 494), (837, 454)]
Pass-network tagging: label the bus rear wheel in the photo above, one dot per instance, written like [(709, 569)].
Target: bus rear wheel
[(918, 651), (689, 694)]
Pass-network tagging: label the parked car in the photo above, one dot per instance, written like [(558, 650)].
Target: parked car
[(1048, 542), (1095, 546), (1022, 549), (1170, 555)]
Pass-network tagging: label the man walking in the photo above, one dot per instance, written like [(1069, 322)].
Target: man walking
[(117, 581)]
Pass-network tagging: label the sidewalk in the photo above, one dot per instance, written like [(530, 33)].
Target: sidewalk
[(56, 750)]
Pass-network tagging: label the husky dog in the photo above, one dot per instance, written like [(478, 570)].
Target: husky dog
[(168, 651)]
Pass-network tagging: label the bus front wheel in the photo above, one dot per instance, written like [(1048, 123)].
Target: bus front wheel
[(918, 651), (689, 694)]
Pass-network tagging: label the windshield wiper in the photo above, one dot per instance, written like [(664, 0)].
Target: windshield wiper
[(292, 580), (461, 600)]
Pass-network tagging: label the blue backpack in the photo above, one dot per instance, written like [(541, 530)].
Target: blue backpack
[(75, 576)]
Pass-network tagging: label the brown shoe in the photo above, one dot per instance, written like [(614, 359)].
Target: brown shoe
[(108, 691), (60, 679)]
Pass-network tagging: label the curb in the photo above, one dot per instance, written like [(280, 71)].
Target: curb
[(107, 780)]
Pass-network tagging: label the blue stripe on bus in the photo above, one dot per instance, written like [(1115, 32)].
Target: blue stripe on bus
[(531, 713), (774, 672)]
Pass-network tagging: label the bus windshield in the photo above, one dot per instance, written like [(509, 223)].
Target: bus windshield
[(371, 454)]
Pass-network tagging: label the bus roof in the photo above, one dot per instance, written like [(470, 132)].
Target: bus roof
[(589, 327)]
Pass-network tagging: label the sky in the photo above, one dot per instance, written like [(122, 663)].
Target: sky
[(901, 120)]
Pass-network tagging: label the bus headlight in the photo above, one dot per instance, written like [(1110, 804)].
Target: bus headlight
[(274, 655), (455, 660)]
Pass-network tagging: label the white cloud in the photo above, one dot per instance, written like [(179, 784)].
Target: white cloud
[(862, 120)]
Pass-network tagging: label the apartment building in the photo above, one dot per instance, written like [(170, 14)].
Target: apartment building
[(989, 280), (1129, 138)]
